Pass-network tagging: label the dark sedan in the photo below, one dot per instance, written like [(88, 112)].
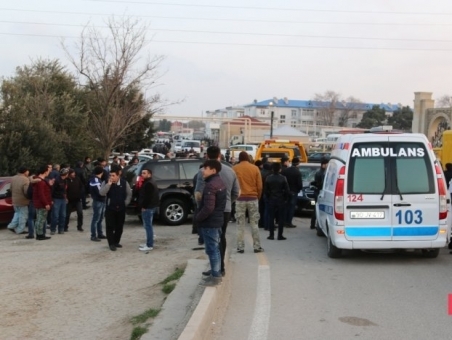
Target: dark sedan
[(317, 157), (6, 204), (306, 197)]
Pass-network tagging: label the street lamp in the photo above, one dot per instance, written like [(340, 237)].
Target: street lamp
[(271, 119)]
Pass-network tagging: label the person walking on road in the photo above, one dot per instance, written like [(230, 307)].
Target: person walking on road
[(19, 188), (277, 193), (98, 204), (118, 196), (229, 179), (148, 201), (250, 182), (210, 218), (295, 182)]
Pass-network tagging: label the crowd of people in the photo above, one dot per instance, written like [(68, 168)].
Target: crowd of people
[(261, 193), (45, 200)]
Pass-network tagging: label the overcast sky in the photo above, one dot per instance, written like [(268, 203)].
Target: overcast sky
[(222, 53)]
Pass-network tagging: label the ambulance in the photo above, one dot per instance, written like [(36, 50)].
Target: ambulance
[(384, 190)]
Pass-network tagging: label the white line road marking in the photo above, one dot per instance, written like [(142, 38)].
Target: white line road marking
[(261, 319)]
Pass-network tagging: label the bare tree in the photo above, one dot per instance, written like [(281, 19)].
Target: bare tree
[(444, 101), (349, 109), (111, 68), (327, 105)]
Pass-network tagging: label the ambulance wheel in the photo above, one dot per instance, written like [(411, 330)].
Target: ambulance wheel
[(333, 252), (430, 253)]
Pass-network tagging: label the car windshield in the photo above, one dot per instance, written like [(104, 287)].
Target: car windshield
[(192, 144), (4, 187), (307, 174)]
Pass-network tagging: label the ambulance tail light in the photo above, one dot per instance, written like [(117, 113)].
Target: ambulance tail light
[(339, 196), (442, 193)]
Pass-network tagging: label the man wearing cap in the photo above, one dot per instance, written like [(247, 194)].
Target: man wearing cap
[(318, 183), (293, 177), (19, 187), (59, 203), (250, 183), (98, 204)]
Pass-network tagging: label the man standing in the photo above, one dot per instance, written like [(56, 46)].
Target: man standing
[(59, 202), (250, 182), (74, 198), (42, 200), (81, 174), (210, 218), (318, 183), (229, 179), (19, 187), (118, 194), (148, 200), (276, 192), (98, 204), (295, 182)]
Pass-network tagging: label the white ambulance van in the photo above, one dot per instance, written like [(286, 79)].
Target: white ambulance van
[(384, 191)]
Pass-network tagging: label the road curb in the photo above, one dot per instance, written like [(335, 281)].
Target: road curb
[(199, 325)]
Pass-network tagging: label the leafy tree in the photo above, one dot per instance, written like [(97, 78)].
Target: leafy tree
[(164, 125), (41, 118), (371, 118), (401, 119), (107, 65)]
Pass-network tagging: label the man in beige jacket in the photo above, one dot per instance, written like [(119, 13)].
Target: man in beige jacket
[(19, 187)]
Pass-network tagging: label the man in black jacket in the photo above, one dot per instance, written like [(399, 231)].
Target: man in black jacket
[(318, 184), (74, 198), (276, 190), (59, 202), (210, 218), (293, 176), (148, 200), (118, 194)]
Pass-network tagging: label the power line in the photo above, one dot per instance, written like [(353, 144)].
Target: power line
[(235, 19), (270, 8), (242, 33), (254, 45)]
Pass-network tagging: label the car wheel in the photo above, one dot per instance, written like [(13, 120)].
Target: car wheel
[(333, 252), (430, 253), (173, 211)]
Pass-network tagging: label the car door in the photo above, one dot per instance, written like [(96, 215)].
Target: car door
[(415, 201), (368, 199)]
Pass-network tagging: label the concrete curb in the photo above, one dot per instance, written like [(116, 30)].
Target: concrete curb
[(199, 325), (179, 305)]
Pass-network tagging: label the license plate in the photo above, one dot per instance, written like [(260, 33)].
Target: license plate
[(367, 214)]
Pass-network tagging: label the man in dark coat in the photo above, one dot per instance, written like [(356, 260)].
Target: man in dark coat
[(210, 218), (295, 182), (318, 184), (74, 197), (148, 201)]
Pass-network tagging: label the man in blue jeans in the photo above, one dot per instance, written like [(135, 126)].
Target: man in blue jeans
[(59, 198), (210, 218), (98, 205), (148, 200)]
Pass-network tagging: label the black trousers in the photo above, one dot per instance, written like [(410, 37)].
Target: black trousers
[(77, 206), (114, 224), (226, 216)]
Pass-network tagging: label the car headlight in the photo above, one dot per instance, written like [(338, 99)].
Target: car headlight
[(300, 194)]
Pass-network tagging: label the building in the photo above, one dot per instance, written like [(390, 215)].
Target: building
[(252, 130)]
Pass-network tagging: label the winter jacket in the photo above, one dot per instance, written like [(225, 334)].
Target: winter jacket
[(19, 186), (118, 195), (94, 187), (42, 194), (59, 188), (250, 180), (294, 180), (213, 203), (276, 187), (74, 189), (148, 196)]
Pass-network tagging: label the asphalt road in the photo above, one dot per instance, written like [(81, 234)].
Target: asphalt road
[(294, 291)]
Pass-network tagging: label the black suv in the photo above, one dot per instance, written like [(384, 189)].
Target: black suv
[(174, 178)]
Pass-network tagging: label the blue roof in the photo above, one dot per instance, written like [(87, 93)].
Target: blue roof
[(306, 104)]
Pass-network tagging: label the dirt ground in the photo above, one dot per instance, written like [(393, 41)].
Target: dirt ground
[(72, 288)]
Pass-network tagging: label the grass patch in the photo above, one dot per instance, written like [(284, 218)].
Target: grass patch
[(143, 317), (138, 332), (168, 288), (174, 276)]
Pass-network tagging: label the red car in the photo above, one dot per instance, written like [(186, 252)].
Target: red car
[(6, 204)]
